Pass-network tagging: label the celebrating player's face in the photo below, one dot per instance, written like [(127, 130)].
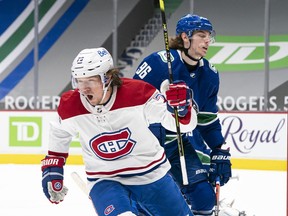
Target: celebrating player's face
[(91, 88)]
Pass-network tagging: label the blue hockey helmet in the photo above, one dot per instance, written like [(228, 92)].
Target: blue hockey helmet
[(191, 22)]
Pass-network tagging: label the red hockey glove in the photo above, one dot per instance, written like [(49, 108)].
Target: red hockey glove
[(178, 95)]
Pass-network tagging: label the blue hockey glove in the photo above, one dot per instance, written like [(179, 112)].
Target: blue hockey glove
[(52, 178), (178, 95), (220, 166)]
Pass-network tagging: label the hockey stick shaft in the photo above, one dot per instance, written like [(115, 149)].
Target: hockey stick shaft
[(81, 184), (179, 138), (217, 192)]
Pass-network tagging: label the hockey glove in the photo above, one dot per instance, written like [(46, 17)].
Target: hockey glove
[(220, 165), (52, 178), (178, 95)]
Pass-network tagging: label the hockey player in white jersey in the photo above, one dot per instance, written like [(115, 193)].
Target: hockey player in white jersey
[(122, 157)]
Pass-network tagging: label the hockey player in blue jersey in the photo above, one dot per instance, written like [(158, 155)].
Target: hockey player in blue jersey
[(188, 48)]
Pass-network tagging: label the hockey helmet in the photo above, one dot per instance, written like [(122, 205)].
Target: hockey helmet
[(91, 62), (191, 22)]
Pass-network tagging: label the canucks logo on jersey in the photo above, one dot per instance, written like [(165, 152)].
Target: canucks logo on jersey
[(163, 56)]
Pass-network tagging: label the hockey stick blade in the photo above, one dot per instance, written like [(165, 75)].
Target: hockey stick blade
[(234, 177)]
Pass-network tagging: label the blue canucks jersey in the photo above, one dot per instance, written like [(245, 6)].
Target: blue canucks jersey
[(203, 80)]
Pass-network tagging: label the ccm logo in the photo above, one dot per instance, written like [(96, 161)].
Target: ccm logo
[(220, 157)]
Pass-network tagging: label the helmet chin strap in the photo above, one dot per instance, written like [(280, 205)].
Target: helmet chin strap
[(189, 56), (105, 89)]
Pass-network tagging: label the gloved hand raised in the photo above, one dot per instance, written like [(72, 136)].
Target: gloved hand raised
[(178, 95), (52, 178), (220, 166)]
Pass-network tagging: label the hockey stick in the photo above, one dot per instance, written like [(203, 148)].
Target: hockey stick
[(81, 184), (234, 177), (179, 138), (217, 192)]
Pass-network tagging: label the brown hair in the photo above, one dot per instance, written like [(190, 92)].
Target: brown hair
[(115, 78), (176, 43)]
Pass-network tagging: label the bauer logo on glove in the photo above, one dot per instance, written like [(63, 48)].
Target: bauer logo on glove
[(220, 166), (220, 157)]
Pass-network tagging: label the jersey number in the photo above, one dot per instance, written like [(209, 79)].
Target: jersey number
[(143, 70)]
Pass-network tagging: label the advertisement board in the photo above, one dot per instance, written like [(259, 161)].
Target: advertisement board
[(256, 140)]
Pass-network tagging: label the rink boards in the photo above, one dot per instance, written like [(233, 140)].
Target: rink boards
[(256, 140)]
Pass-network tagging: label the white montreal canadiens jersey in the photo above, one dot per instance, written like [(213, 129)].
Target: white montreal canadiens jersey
[(115, 137)]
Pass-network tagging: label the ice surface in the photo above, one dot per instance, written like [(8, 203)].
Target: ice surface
[(259, 193)]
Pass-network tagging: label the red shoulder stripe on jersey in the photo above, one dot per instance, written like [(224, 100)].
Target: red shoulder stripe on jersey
[(133, 93), (71, 105)]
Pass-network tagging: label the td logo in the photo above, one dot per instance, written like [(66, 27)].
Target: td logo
[(25, 131)]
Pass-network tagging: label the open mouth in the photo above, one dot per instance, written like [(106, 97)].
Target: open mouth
[(90, 97)]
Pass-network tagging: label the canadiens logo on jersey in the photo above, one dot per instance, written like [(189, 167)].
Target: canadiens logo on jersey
[(109, 209), (111, 146)]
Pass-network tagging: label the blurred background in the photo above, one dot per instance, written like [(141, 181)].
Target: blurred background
[(38, 46)]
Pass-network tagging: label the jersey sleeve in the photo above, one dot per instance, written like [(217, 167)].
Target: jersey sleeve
[(212, 134), (59, 138), (156, 112), (153, 69), (61, 129), (208, 122)]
